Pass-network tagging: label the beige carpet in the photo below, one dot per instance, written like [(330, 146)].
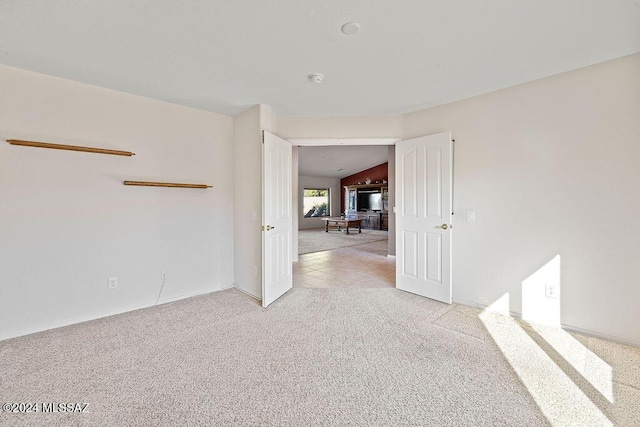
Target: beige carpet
[(317, 240), (370, 357)]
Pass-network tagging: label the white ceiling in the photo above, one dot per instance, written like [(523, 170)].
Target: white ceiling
[(327, 161), (225, 56)]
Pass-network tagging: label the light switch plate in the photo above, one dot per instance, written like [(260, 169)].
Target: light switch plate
[(471, 216)]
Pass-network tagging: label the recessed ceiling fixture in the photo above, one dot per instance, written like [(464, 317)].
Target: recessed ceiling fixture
[(316, 78), (351, 28)]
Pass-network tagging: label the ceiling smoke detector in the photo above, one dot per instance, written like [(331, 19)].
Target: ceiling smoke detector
[(316, 78), (350, 28)]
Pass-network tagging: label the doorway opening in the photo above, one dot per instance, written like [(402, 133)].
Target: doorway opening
[(343, 237)]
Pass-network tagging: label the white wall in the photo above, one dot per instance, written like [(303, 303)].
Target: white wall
[(340, 127), (317, 182), (247, 178), (67, 223), (551, 168)]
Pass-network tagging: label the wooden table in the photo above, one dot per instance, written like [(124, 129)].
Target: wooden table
[(342, 222)]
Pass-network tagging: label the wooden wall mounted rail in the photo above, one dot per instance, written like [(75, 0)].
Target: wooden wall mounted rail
[(69, 147), (166, 184)]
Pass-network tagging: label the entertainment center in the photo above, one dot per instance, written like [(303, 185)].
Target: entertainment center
[(369, 203)]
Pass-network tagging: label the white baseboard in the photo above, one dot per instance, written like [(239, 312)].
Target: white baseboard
[(600, 335), (248, 293), (390, 256), (517, 315), (73, 320)]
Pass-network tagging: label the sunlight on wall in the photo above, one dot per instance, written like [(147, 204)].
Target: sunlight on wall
[(559, 398), (541, 294), (500, 306)]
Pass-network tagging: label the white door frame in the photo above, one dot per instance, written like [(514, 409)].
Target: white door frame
[(311, 142)]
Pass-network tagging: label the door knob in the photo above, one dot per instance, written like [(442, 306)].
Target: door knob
[(444, 226), (270, 227)]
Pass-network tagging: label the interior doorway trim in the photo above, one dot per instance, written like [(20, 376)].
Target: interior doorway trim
[(342, 141)]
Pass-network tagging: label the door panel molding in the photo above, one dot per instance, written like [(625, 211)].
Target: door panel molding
[(277, 220), (423, 223)]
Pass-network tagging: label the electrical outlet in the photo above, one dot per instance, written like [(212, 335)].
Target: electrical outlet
[(113, 282), (255, 270), (163, 275), (550, 290)]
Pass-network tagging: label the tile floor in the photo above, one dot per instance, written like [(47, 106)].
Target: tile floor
[(362, 266)]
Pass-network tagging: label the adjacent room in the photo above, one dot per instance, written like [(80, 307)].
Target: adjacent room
[(376, 213), (343, 227)]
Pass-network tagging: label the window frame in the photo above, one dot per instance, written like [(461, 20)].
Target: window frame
[(328, 196)]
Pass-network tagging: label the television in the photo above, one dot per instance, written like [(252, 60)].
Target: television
[(369, 201)]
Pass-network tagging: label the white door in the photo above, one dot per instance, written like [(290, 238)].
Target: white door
[(277, 222), (423, 216)]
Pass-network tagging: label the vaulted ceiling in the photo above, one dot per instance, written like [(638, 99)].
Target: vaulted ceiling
[(225, 56), (340, 161)]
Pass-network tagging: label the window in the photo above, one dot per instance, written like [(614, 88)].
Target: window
[(316, 202)]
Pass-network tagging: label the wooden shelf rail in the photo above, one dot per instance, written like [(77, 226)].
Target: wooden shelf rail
[(69, 147), (166, 184)]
